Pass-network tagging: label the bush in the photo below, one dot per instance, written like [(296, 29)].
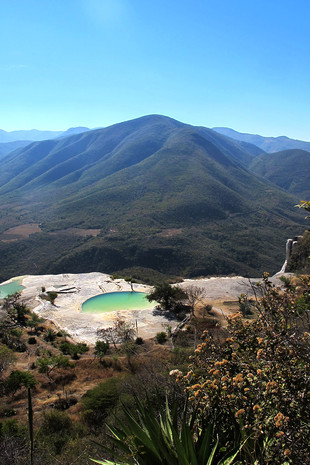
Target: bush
[(139, 341), (51, 295), (98, 402), (161, 337), (101, 349), (255, 384), (56, 428), (32, 340), (50, 335), (73, 349)]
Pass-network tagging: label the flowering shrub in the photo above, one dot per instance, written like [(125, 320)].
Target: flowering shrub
[(255, 386)]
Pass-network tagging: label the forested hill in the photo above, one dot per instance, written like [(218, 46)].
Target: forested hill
[(161, 195)]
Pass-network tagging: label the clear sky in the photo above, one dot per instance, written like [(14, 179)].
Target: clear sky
[(243, 64)]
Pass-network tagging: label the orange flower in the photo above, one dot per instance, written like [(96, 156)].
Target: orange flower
[(287, 452), (196, 386), (240, 413), (256, 408)]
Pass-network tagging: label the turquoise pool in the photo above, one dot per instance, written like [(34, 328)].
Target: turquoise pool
[(10, 288), (116, 301)]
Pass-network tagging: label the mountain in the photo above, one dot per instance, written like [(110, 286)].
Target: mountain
[(36, 135), (266, 144), (6, 147), (73, 131), (289, 169), (151, 193)]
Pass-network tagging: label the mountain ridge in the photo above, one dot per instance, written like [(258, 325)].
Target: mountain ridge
[(37, 135), (267, 144)]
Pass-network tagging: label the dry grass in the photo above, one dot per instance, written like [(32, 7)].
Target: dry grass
[(22, 231)]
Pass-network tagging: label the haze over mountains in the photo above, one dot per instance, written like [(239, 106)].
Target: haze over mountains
[(36, 135), (147, 194), (267, 144), (12, 140)]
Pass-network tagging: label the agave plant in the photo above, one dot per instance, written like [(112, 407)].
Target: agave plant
[(165, 440)]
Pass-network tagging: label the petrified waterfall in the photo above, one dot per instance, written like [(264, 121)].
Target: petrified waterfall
[(290, 246)]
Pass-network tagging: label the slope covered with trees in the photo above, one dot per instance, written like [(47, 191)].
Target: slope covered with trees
[(165, 196), (289, 169)]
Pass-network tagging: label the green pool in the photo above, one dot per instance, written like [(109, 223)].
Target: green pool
[(116, 301), (10, 288)]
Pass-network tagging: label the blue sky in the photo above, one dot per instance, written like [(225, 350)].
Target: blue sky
[(237, 63)]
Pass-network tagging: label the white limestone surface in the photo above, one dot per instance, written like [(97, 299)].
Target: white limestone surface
[(74, 290)]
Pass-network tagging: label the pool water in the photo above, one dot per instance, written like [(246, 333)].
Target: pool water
[(116, 301), (10, 288)]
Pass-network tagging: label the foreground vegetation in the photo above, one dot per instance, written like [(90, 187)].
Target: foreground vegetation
[(240, 397)]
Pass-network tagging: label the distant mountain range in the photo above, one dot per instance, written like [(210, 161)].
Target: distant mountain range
[(36, 135), (149, 196), (267, 144)]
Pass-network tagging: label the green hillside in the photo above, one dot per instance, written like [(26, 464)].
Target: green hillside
[(165, 196), (289, 169)]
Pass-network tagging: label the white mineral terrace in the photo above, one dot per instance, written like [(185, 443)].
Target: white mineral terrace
[(76, 288)]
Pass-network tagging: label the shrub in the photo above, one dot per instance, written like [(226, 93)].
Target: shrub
[(165, 440), (98, 402), (51, 295), (50, 335), (255, 384), (101, 349), (32, 340), (245, 306), (73, 349), (139, 341), (161, 337), (56, 428)]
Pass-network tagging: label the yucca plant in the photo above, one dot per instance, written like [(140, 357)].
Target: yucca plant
[(165, 440)]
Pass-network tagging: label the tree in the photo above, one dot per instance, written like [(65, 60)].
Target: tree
[(121, 332), (130, 280), (48, 364), (17, 380), (18, 312), (34, 321), (166, 295), (194, 296), (7, 358)]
